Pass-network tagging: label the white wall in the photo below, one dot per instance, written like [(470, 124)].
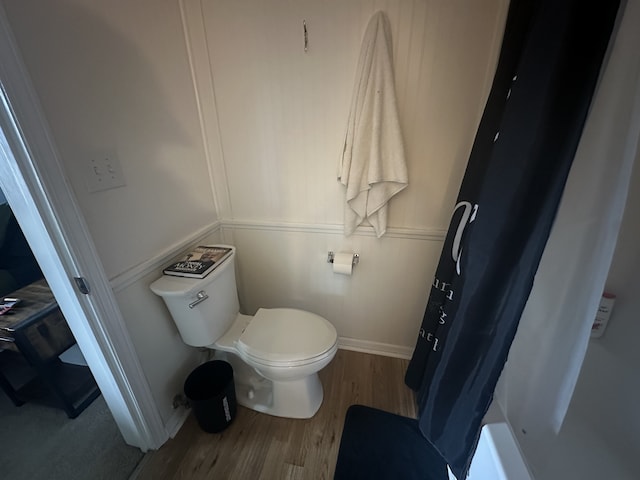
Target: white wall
[(114, 77), (226, 130), (379, 308), (282, 113)]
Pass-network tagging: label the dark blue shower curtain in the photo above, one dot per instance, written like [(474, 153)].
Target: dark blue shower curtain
[(548, 68)]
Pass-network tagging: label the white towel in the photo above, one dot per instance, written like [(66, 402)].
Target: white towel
[(372, 166)]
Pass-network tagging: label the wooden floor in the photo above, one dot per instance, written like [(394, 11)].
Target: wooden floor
[(259, 446)]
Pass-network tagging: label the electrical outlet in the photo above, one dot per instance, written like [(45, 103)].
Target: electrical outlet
[(104, 172)]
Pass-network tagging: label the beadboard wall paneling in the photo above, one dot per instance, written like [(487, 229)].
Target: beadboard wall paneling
[(282, 111), (381, 302), (277, 117)]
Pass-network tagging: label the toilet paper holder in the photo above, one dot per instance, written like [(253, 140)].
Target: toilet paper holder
[(356, 258)]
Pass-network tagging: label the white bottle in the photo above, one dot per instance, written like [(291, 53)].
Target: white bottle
[(602, 317)]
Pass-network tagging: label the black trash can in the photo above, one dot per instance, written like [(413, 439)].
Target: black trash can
[(212, 395)]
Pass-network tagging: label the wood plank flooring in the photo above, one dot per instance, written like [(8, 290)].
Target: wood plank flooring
[(259, 446)]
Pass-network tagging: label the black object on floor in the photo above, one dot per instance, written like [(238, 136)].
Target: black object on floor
[(212, 395), (378, 445)]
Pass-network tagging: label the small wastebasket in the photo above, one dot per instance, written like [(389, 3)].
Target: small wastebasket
[(212, 395)]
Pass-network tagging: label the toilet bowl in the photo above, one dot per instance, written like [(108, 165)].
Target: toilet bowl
[(276, 354)]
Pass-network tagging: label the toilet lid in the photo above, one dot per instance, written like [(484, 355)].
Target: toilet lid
[(287, 335)]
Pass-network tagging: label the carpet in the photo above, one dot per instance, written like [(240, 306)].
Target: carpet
[(41, 443), (383, 446)]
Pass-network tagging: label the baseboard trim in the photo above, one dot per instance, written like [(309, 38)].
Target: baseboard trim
[(375, 348), (176, 421)]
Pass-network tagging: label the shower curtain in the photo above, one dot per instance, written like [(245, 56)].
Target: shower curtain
[(547, 72), (546, 356)]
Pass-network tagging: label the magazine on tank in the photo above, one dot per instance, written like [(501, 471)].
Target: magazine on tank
[(199, 263)]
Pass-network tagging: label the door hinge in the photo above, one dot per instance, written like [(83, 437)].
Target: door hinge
[(82, 285)]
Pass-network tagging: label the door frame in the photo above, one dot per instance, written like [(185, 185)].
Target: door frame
[(36, 187)]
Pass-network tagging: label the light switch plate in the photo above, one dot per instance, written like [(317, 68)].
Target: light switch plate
[(104, 172)]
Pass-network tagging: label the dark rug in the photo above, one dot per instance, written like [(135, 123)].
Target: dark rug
[(380, 445)]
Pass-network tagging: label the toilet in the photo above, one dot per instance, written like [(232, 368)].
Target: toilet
[(276, 354)]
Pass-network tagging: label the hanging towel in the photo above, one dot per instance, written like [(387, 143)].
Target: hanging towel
[(372, 166)]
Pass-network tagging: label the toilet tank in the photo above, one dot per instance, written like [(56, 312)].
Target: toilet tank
[(202, 309)]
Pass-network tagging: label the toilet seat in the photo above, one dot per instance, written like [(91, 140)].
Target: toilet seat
[(260, 362), (287, 337)]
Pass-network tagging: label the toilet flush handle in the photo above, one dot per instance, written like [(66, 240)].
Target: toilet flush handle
[(201, 296)]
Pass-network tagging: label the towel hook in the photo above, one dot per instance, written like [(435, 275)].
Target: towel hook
[(306, 35)]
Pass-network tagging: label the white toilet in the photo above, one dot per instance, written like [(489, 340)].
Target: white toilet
[(276, 354)]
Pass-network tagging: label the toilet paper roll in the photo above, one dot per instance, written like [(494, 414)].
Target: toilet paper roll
[(343, 263)]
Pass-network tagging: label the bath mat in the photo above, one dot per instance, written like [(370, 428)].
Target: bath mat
[(381, 445)]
